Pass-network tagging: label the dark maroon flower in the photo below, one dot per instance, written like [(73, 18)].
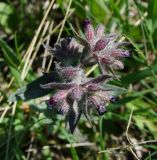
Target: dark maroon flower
[(86, 22)]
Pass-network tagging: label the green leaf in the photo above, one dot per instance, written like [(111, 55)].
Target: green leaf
[(9, 54), (69, 138), (115, 91), (5, 12), (152, 9), (116, 10), (16, 74), (121, 102), (6, 15), (138, 75), (33, 89), (11, 59), (98, 9), (74, 153), (42, 120), (152, 14), (150, 123), (39, 108)]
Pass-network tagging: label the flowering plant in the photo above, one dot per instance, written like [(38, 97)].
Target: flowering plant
[(75, 93)]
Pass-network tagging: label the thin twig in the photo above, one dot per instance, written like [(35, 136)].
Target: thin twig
[(30, 147), (64, 20), (127, 146), (82, 144), (61, 30), (31, 47), (128, 138), (127, 129), (37, 48), (9, 131), (44, 39), (92, 69), (131, 145), (47, 43), (4, 113), (132, 151), (57, 26)]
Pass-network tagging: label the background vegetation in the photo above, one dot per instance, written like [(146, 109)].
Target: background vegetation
[(27, 131)]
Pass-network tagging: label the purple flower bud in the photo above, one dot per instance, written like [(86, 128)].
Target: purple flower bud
[(126, 54), (101, 109), (120, 53), (106, 60), (69, 39), (49, 104), (57, 98), (86, 22), (89, 30), (52, 101), (100, 44), (98, 103), (113, 99)]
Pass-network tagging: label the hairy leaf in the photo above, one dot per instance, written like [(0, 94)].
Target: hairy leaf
[(33, 89)]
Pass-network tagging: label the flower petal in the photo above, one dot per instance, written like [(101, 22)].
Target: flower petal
[(89, 30), (101, 44), (113, 99), (100, 30), (119, 53), (118, 64), (106, 60), (57, 98), (98, 103)]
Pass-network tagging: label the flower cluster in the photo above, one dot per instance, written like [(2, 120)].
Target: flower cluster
[(77, 94), (104, 48)]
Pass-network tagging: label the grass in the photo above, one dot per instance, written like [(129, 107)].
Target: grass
[(27, 131)]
